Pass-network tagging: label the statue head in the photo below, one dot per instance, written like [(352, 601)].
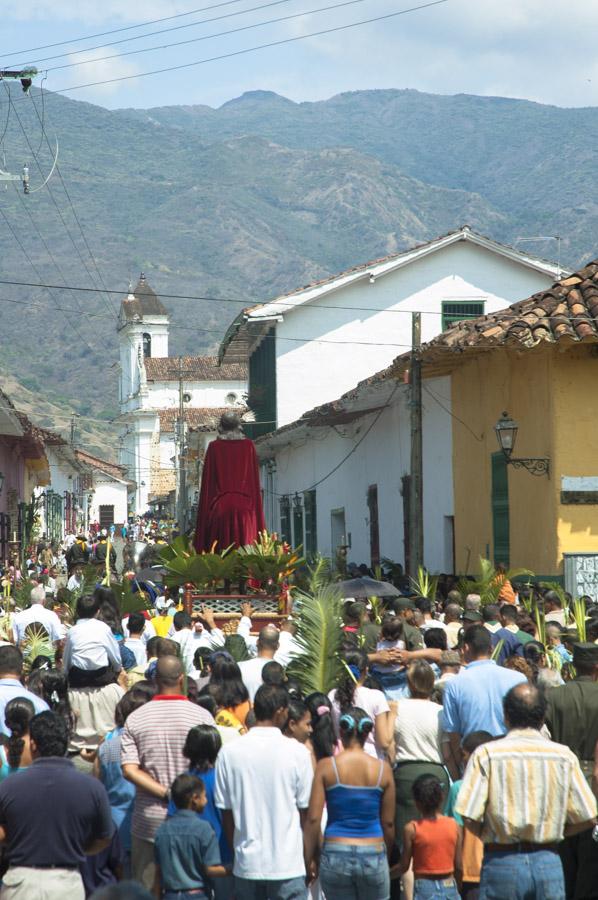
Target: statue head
[(230, 425)]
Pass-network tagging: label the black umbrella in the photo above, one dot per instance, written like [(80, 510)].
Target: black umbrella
[(363, 587)]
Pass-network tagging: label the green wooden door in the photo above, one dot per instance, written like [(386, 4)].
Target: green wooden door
[(500, 509)]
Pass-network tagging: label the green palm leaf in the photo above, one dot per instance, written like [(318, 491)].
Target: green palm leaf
[(36, 643), (319, 634)]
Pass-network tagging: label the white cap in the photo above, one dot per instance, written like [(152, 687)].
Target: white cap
[(164, 603)]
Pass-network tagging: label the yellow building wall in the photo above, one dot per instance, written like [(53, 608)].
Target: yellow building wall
[(482, 388), (576, 443)]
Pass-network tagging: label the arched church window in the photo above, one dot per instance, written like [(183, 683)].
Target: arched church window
[(147, 346)]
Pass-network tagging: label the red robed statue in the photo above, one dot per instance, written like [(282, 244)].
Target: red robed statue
[(230, 503)]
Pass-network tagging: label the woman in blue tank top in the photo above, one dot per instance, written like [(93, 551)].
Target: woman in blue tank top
[(359, 794)]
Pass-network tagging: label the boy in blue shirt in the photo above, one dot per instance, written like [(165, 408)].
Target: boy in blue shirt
[(186, 848)]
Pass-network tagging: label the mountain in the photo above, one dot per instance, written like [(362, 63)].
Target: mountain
[(535, 164), (257, 197)]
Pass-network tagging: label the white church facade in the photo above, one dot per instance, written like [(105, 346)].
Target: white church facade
[(152, 387)]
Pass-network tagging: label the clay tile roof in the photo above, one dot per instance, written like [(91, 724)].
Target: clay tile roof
[(199, 418), (101, 464), (143, 301), (195, 368), (566, 311)]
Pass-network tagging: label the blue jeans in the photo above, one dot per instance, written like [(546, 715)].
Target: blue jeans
[(522, 876), (394, 684), (286, 889), (354, 872), (437, 889)]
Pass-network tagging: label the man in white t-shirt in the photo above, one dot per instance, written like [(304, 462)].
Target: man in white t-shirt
[(134, 642), (37, 614), (251, 669), (76, 579), (263, 783)]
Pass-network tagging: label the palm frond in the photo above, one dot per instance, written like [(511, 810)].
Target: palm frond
[(6, 632), (497, 650), (489, 582), (319, 634), (36, 643), (377, 609), (22, 593), (320, 573), (540, 625), (579, 616), (425, 584), (128, 600)]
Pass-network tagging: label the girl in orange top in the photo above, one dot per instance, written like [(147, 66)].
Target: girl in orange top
[(433, 843)]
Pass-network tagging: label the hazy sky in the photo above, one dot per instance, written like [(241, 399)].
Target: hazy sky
[(543, 50)]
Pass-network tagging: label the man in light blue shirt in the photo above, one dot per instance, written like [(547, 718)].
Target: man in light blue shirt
[(11, 669), (473, 701)]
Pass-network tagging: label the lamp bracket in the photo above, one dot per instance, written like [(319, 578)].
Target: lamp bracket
[(535, 465)]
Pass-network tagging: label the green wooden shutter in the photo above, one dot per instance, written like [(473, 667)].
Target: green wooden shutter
[(285, 520), (297, 526), (459, 310), (500, 509), (311, 532), (262, 387)]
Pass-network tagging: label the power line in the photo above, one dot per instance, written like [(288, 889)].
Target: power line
[(90, 37), (208, 37), (353, 448), (451, 413), (74, 211), (153, 33), (53, 198), (48, 251), (282, 301), (187, 328), (245, 50)]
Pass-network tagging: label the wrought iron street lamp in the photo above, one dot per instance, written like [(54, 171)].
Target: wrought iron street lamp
[(506, 434)]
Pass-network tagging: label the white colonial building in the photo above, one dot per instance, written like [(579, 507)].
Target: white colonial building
[(311, 345), (336, 473), (152, 385)]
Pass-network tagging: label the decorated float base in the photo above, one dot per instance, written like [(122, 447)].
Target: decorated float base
[(227, 608)]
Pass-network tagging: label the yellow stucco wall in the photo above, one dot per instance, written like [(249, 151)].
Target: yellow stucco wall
[(520, 383), (575, 403), (551, 392)]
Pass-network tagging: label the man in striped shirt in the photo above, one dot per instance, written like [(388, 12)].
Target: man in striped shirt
[(152, 756), (522, 794)]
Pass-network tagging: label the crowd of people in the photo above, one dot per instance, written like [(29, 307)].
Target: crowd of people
[(158, 755)]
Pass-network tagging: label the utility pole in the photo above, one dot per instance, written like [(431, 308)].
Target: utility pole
[(416, 506), (72, 431), (181, 498)]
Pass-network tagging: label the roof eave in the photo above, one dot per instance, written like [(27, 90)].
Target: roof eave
[(286, 303)]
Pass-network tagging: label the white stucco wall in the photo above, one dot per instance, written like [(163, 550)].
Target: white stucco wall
[(130, 339), (62, 475), (165, 394), (109, 493), (364, 338), (136, 456), (382, 459)]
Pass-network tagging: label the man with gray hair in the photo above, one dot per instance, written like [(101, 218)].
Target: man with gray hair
[(473, 602), (38, 617)]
